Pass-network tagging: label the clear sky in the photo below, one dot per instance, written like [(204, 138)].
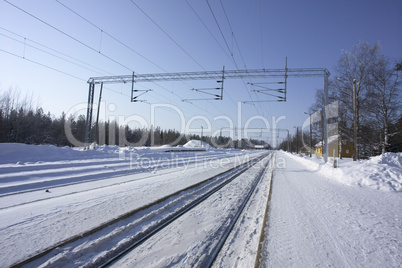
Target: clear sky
[(49, 48)]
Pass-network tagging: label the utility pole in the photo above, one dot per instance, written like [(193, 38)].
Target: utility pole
[(354, 122), (202, 133), (97, 115), (355, 127), (297, 140), (311, 146), (220, 137)]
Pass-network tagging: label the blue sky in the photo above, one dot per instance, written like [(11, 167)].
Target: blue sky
[(183, 36)]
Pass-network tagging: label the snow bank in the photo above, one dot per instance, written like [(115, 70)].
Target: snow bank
[(197, 144), (383, 172)]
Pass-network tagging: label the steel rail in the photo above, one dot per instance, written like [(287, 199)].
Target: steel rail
[(208, 262), (229, 177)]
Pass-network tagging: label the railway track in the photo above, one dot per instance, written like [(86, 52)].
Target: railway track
[(119, 237), (52, 176), (89, 182)]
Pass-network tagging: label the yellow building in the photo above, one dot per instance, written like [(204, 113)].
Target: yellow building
[(334, 145)]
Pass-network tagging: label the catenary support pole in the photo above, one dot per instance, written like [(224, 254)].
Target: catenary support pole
[(91, 92), (97, 115), (354, 122), (325, 145)]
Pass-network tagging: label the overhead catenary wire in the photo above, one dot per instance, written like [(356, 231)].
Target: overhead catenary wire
[(94, 49), (54, 50), (45, 65), (209, 31), (54, 69), (261, 35), (46, 52), (230, 58), (68, 35), (111, 36), (231, 51), (223, 36), (123, 44), (238, 47), (224, 39), (77, 40), (169, 36), (233, 35), (41, 64)]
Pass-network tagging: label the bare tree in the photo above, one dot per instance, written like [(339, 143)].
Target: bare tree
[(359, 65), (384, 99)]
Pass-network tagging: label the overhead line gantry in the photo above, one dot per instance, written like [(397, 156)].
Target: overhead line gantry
[(208, 75)]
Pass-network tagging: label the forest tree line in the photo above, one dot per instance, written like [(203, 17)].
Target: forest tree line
[(20, 122)]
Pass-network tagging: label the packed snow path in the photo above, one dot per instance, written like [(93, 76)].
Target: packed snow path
[(315, 221)]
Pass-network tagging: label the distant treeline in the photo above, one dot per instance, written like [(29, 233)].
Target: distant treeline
[(21, 123)]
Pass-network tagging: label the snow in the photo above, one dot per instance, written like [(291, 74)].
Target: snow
[(318, 215), (383, 172), (196, 228), (197, 144), (17, 153), (319, 221)]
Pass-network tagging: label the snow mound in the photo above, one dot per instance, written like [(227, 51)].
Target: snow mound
[(390, 159), (383, 172), (196, 144)]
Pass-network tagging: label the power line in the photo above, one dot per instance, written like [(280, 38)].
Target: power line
[(102, 31), (223, 36), (66, 34), (41, 64), (54, 69), (262, 46), (230, 98), (230, 26), (238, 47), (209, 31), (25, 44), (224, 39), (171, 38), (114, 38), (82, 43), (54, 50), (120, 42)]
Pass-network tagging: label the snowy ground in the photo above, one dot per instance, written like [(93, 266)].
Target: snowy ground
[(318, 216), (345, 217)]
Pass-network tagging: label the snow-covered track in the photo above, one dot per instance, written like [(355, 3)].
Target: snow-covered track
[(225, 179), (19, 179), (159, 213), (212, 255)]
